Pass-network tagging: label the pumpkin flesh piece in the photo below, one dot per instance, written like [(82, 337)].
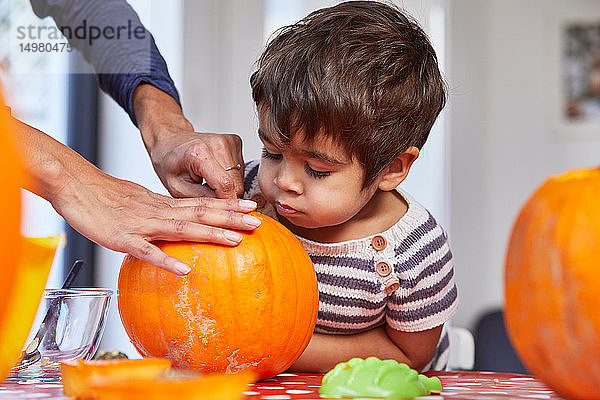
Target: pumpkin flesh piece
[(80, 376), (208, 387)]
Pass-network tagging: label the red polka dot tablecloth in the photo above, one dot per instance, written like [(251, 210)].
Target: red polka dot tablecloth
[(456, 385)]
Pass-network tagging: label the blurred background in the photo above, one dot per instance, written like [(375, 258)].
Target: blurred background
[(515, 69)]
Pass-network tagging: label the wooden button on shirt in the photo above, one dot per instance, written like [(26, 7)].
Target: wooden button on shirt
[(392, 287), (378, 242), (383, 269)]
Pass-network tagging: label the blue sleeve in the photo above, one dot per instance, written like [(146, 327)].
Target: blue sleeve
[(112, 39), (121, 86)]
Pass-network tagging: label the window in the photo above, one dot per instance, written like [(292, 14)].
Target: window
[(35, 86)]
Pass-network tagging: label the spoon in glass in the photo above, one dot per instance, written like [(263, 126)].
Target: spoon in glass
[(31, 354)]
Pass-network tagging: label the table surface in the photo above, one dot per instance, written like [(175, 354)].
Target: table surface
[(456, 385)]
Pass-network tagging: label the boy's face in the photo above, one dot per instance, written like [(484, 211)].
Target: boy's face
[(312, 185)]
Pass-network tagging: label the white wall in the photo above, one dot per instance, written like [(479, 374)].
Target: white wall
[(222, 39), (503, 78)]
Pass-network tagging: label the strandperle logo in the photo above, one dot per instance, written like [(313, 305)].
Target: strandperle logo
[(43, 45), (84, 31)]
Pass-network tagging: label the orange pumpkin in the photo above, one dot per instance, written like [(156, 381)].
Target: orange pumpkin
[(12, 176), (10, 204), (552, 284), (253, 306)]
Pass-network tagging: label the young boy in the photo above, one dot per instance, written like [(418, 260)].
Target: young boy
[(346, 98)]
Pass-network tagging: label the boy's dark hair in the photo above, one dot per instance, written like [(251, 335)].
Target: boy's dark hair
[(360, 72)]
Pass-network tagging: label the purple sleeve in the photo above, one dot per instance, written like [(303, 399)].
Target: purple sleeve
[(121, 86), (121, 62)]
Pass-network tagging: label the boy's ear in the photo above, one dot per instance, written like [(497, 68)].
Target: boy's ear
[(397, 171)]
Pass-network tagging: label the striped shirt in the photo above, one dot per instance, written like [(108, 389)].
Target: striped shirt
[(402, 277)]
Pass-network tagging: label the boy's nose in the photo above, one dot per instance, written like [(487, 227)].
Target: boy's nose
[(286, 181)]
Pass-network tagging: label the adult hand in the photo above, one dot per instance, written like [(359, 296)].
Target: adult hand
[(122, 215), (183, 158)]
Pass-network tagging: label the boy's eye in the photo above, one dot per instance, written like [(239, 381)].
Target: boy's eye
[(315, 173), (272, 156)]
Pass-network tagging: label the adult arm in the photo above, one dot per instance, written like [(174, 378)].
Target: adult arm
[(412, 348), (134, 73), (121, 215)]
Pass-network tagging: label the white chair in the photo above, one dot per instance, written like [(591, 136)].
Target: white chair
[(462, 349)]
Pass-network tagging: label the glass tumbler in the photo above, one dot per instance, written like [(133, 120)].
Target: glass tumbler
[(68, 325)]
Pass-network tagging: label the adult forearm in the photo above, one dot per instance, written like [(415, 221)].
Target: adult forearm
[(325, 351), (51, 166), (158, 115)]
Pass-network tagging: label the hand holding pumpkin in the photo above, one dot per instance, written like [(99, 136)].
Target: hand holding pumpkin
[(122, 215), (132, 217)]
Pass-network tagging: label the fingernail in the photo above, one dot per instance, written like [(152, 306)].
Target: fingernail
[(233, 236), (251, 220), (248, 204), (182, 268)]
